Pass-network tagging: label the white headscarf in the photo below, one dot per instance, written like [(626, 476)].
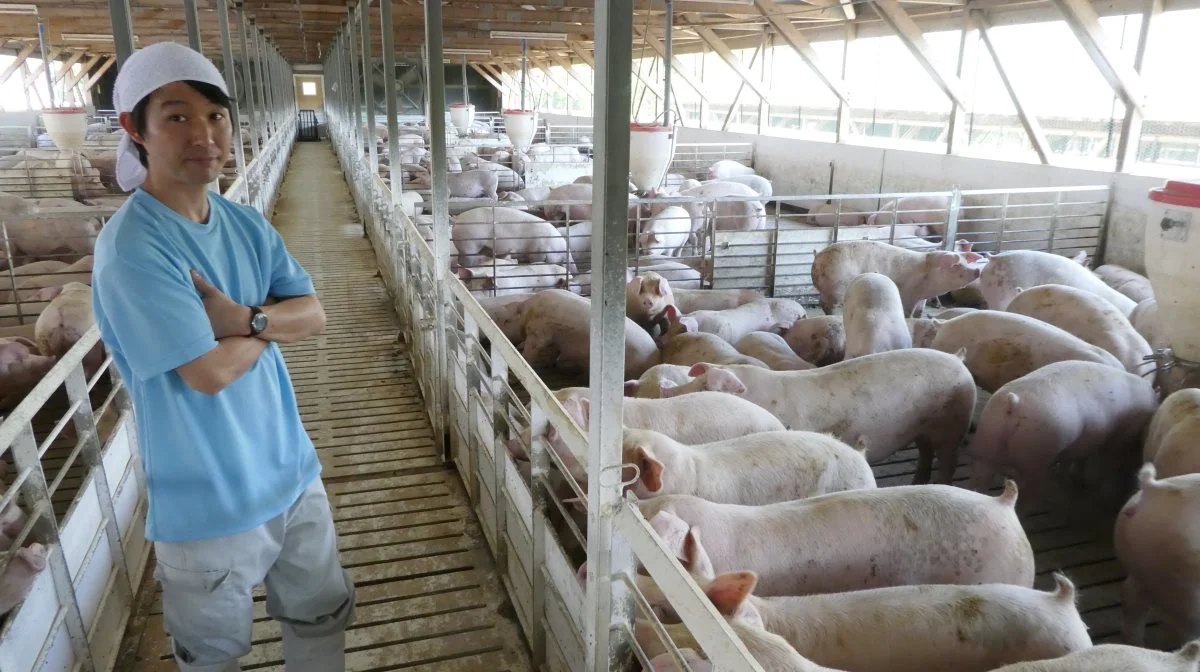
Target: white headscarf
[(144, 72)]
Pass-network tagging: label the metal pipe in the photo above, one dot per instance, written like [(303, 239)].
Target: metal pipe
[(122, 30), (46, 61), (466, 95), (667, 67), (524, 69), (193, 24), (441, 203), (364, 17), (387, 32), (248, 78), (268, 129), (605, 646), (353, 83)]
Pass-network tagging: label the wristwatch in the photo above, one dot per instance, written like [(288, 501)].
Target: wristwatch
[(258, 321)]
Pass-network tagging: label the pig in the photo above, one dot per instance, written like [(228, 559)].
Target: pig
[(679, 274), (927, 211), (647, 297), (762, 468), (698, 418), (66, 238), (556, 324), (1001, 347), (1007, 271), (18, 579), (923, 330), (32, 269), (513, 278), (1125, 281), (572, 212), (873, 317), (741, 215), (1117, 658), (726, 168), (65, 321), (819, 340), (409, 203), (1171, 437), (951, 313), (508, 313), (665, 662), (772, 350), (508, 232), (506, 178), (761, 315), (890, 399), (666, 232), (1067, 411), (655, 379), (21, 368), (1145, 320), (684, 344), (918, 275), (579, 239), (1088, 317), (758, 183), (13, 205), (826, 215), (467, 184), (970, 296), (534, 194), (692, 300), (1155, 540), (859, 539), (688, 184)]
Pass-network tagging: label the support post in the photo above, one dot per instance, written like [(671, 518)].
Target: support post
[(1083, 20), (65, 69), (268, 129), (1032, 128), (387, 32), (954, 130), (465, 92), (15, 65), (607, 604), (1131, 127), (667, 57), (122, 29), (737, 97), (718, 45), (686, 75), (41, 26), (249, 81), (353, 83), (239, 152), (777, 17), (524, 69), (844, 111), (192, 18), (364, 15), (911, 36), (441, 204)]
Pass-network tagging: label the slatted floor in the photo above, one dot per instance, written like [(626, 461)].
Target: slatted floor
[(428, 596)]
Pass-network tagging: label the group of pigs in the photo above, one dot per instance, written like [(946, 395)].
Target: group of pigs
[(50, 278), (750, 429)]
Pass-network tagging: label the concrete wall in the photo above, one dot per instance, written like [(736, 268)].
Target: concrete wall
[(802, 167), (316, 102)]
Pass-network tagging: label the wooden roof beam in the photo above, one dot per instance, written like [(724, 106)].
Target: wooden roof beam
[(1081, 16), (16, 64), (911, 36), (718, 45), (680, 69), (1032, 128), (800, 44)]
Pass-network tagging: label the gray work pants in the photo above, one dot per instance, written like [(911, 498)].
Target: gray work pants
[(208, 605)]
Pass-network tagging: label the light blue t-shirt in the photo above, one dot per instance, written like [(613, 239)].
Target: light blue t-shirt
[(219, 464)]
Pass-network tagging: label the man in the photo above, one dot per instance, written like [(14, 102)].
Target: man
[(192, 293)]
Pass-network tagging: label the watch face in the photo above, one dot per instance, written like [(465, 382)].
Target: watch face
[(258, 322)]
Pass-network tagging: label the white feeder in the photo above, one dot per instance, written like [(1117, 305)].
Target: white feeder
[(520, 126), (461, 115), (1173, 263), (66, 126), (651, 149)]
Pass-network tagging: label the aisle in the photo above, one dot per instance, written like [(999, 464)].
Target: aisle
[(428, 596)]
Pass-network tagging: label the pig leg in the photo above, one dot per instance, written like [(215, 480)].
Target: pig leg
[(1136, 607), (18, 579)]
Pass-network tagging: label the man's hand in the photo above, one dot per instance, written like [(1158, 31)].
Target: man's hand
[(228, 318)]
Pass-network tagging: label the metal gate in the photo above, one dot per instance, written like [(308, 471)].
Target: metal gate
[(306, 130)]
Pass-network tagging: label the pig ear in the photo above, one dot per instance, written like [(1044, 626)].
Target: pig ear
[(698, 562), (720, 380), (963, 245), (946, 259), (465, 273), (727, 592), (655, 284), (1190, 651), (972, 257), (1080, 258), (698, 370), (651, 469), (690, 324), (671, 313), (585, 410), (631, 387)]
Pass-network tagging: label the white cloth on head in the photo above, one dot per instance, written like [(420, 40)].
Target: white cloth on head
[(145, 71)]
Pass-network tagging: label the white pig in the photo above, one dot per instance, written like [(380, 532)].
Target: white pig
[(1007, 271), (21, 368), (923, 330), (18, 579), (758, 183), (657, 377), (1125, 281), (579, 238), (691, 300), (508, 232), (890, 399), (556, 326), (858, 539), (684, 344), (726, 168), (467, 184), (1088, 317), (918, 275), (761, 468), (1067, 410), (874, 317), (508, 313), (772, 350), (513, 278), (680, 275), (1145, 319), (1001, 347), (647, 297), (819, 340), (1117, 658), (826, 215), (1171, 437), (62, 323), (666, 232), (760, 315), (928, 211), (570, 212), (1156, 540)]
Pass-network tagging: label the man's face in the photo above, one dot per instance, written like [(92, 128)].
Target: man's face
[(186, 136)]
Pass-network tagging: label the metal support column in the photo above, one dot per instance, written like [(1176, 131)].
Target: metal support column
[(466, 95), (239, 152), (667, 61), (387, 32), (248, 78), (1131, 126), (441, 203), (364, 15), (268, 128), (46, 62), (524, 69), (193, 24), (122, 30), (353, 83), (607, 602)]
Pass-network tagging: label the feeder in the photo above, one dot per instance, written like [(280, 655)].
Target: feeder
[(461, 115), (520, 126), (66, 126), (651, 149)]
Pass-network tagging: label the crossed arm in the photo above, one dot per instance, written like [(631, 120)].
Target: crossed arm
[(288, 320)]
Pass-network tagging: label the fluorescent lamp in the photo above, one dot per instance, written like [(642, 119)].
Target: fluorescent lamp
[(88, 37), (18, 9), (467, 52), (519, 35)]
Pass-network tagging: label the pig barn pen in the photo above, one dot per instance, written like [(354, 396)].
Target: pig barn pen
[(465, 557)]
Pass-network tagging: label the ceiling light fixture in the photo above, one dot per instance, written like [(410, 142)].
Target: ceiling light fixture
[(467, 52), (520, 35), (89, 37), (18, 9)]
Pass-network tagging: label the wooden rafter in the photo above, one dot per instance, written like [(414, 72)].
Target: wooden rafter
[(911, 36)]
